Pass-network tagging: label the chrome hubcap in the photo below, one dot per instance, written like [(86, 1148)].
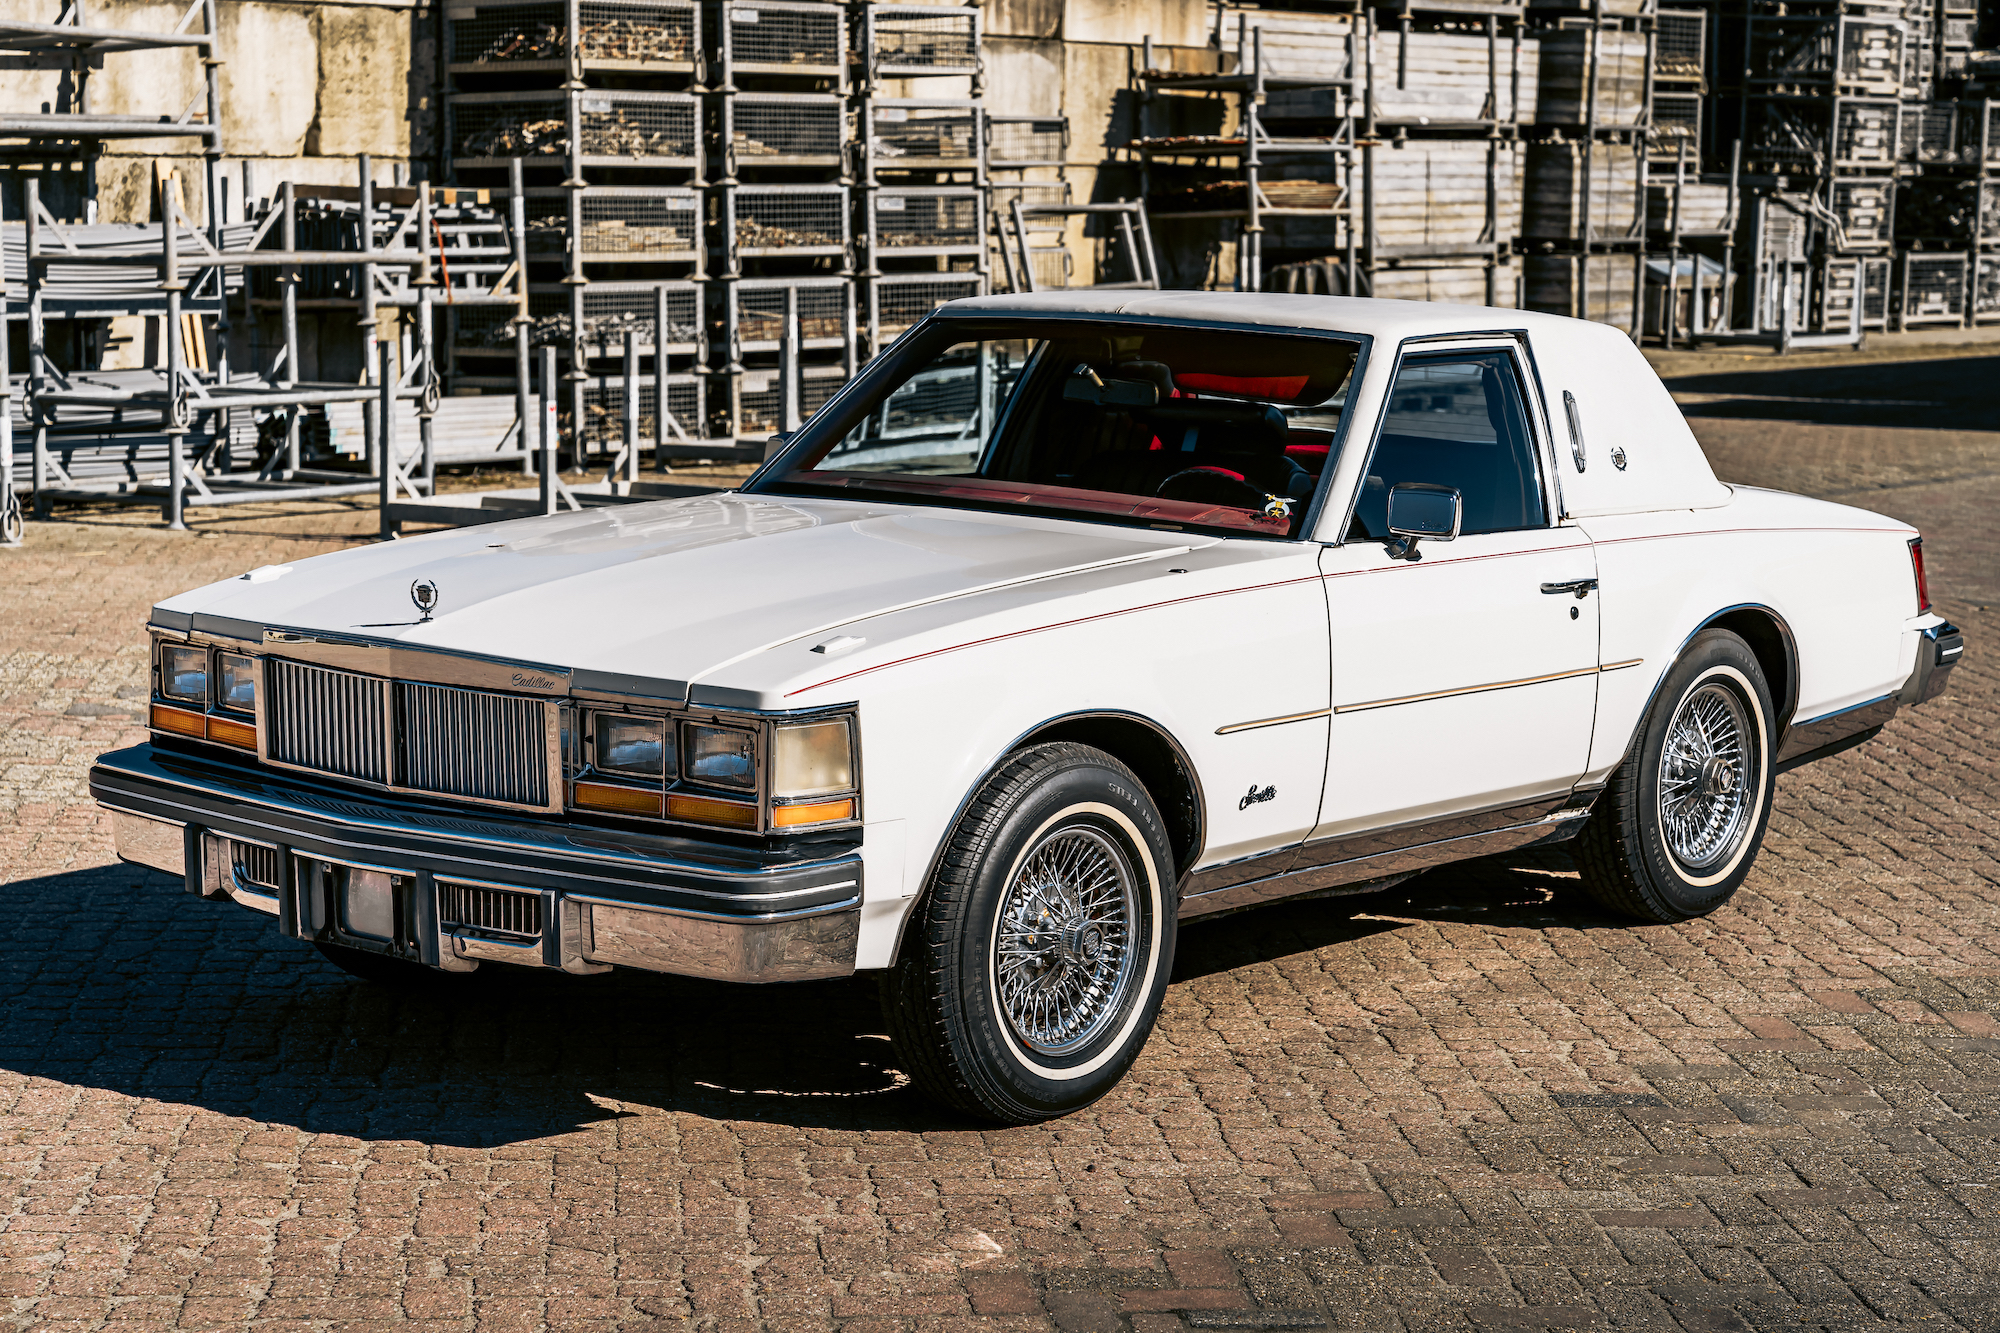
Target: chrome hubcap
[(1704, 801), (1063, 952)]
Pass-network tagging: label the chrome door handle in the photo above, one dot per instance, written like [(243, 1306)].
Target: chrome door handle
[(1581, 587)]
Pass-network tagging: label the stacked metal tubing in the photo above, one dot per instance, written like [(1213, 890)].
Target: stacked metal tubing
[(177, 406)]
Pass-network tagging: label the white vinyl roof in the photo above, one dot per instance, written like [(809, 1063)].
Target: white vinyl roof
[(1389, 320)]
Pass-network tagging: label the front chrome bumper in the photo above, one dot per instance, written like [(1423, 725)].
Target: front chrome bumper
[(390, 877)]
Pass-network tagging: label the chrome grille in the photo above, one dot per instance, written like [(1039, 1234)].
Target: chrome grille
[(255, 865), (498, 910), (455, 742), (331, 721)]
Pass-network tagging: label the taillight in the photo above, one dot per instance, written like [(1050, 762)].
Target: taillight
[(1917, 565)]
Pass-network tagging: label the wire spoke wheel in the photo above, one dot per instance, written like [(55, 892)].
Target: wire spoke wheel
[(1062, 950), (1704, 787)]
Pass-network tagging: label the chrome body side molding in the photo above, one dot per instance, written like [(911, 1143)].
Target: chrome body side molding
[(1356, 862)]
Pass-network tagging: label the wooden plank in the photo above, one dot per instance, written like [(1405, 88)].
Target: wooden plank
[(1552, 206)]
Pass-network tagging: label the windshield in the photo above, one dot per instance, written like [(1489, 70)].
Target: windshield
[(1172, 427)]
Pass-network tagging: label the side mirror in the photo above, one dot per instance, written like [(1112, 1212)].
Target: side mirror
[(1419, 511), (775, 444)]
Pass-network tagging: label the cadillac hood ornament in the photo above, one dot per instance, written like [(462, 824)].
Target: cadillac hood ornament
[(425, 594)]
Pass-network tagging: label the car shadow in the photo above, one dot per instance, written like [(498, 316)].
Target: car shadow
[(1531, 890), (117, 980), (1944, 394)]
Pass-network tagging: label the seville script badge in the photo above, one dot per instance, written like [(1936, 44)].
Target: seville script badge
[(425, 594)]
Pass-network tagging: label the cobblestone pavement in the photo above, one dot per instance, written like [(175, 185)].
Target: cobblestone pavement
[(1471, 1104)]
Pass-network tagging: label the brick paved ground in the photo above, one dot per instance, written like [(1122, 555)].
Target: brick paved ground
[(1474, 1103)]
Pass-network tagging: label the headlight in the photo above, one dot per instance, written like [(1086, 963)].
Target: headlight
[(812, 760), (720, 756), (636, 745), (239, 682), (184, 673)]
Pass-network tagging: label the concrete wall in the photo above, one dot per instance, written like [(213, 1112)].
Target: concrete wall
[(1077, 58)]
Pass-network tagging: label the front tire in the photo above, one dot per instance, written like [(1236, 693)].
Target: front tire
[(1681, 822), (1032, 972)]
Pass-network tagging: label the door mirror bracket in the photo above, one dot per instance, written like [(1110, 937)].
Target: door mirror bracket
[(1420, 511)]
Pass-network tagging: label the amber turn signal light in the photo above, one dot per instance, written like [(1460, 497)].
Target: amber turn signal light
[(228, 731), (618, 800), (181, 722), (704, 810), (817, 812)]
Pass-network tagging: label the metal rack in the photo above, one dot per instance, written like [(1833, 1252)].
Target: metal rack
[(785, 221), (920, 41), (556, 36), (783, 39), (72, 131), (185, 421)]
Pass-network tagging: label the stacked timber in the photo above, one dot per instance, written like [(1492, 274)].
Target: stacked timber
[(1432, 194), (1704, 205), (1598, 287), (1554, 208), (1564, 70), (1306, 48), (1447, 76), (1443, 76), (1458, 284)]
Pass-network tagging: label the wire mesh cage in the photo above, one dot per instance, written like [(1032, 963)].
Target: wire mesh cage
[(1032, 194), (490, 329), (787, 219), (782, 38), (637, 36), (1929, 133), (1933, 289), (515, 36), (932, 221), (615, 128), (604, 409), (1989, 211), (610, 309), (897, 301), (637, 223), (1863, 209), (1026, 141), (760, 405), (610, 35), (1875, 293), (1864, 133), (915, 40), (1871, 54), (1681, 46), (904, 133), (1985, 287), (784, 129), (825, 308), (1677, 119)]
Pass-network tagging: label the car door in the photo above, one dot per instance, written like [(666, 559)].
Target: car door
[(1464, 677)]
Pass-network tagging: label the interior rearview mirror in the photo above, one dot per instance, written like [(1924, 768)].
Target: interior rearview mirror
[(1422, 511), (1085, 385)]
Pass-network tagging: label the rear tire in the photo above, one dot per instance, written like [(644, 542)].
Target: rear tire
[(1031, 973), (1680, 824)]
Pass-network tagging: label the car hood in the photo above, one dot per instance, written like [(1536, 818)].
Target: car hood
[(672, 590)]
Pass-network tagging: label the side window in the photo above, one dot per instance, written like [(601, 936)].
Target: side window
[(1456, 420)]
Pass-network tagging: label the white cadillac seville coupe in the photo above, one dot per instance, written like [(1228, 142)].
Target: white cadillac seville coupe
[(1074, 617)]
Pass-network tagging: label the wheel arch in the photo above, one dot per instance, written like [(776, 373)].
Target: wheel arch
[(1772, 643), (1149, 750), (1141, 744)]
